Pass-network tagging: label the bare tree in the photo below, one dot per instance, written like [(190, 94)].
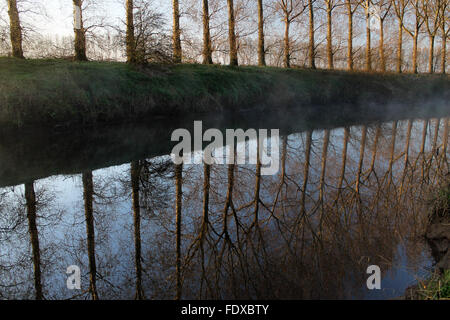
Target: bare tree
[(15, 29), (400, 7), (207, 48), (414, 32), (80, 35), (290, 10), (312, 45), (177, 54), (130, 40), (261, 49), (352, 6), (445, 30), (232, 33), (429, 10)]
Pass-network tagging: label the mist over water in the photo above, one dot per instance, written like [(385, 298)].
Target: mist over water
[(348, 195)]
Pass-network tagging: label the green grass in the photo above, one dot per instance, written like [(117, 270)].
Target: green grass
[(435, 288), (60, 92)]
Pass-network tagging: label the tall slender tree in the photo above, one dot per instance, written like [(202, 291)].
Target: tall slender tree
[(351, 6), (176, 36), (232, 34), (80, 35), (15, 29), (414, 32), (207, 48), (130, 39), (400, 7), (312, 44), (261, 49)]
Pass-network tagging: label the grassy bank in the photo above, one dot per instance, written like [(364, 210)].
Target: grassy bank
[(437, 286), (59, 92)]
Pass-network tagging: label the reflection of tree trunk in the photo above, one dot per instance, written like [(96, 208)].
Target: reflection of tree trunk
[(306, 171), (406, 161), (311, 51), (135, 172), (176, 33), (15, 29), (30, 197), (232, 34), (207, 50), (422, 147), (361, 157), (344, 159), (88, 194), (257, 186), (391, 160), (179, 198), (228, 200), (326, 141), (261, 50), (374, 150)]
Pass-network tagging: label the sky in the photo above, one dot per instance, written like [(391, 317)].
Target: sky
[(60, 14)]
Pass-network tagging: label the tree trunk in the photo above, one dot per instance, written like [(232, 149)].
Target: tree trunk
[(88, 195), (80, 36), (15, 29), (444, 50), (176, 33), (311, 51), (232, 34), (207, 51), (350, 36), (382, 57), (399, 47), (178, 204), (135, 172), (287, 58), (414, 57), (130, 41), (261, 49), (329, 38), (431, 55), (368, 45), (30, 197)]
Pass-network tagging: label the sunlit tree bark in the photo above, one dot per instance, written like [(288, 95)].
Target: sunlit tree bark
[(80, 35), (207, 48), (261, 49), (15, 29), (130, 39), (312, 45), (232, 34), (176, 33)]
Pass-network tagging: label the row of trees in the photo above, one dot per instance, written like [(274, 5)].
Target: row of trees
[(331, 21)]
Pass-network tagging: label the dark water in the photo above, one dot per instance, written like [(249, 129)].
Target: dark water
[(349, 193)]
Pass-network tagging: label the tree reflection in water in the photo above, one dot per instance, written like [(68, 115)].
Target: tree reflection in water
[(342, 200)]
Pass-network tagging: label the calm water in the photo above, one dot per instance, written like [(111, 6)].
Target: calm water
[(348, 194)]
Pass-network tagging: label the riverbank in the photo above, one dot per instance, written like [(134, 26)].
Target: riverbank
[(437, 286), (65, 93)]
